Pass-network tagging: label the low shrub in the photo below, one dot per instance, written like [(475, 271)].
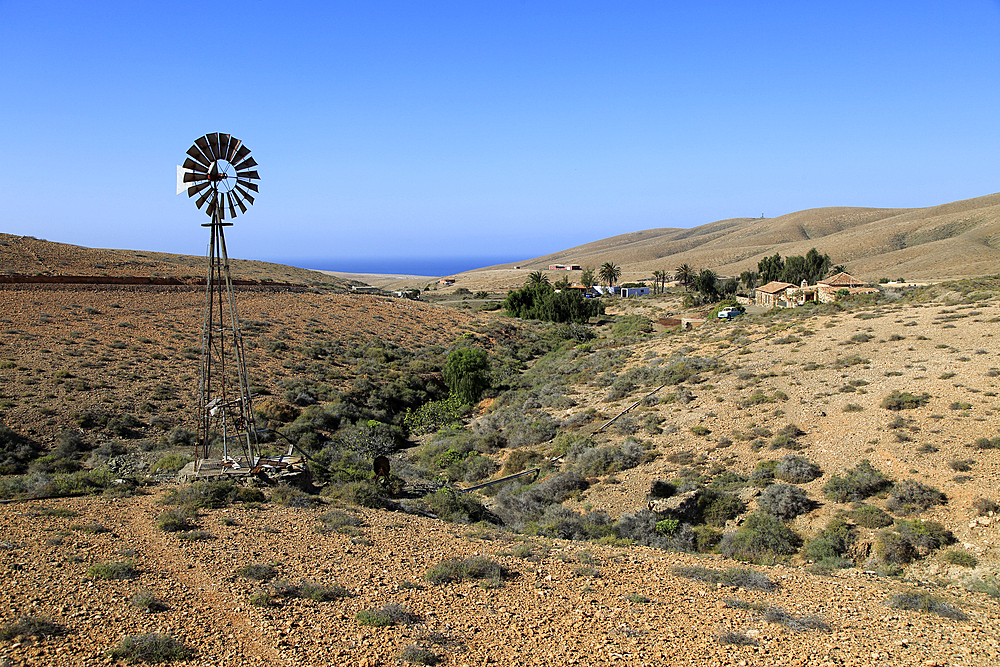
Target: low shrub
[(898, 400), (338, 521), (925, 602), (289, 496), (984, 506), (31, 626), (985, 443), (736, 639), (736, 577), (455, 507), (567, 524), (418, 655), (912, 497), (869, 516), (715, 508), (796, 623), (762, 539), (310, 590), (463, 569), (389, 614), (796, 470), (114, 570), (857, 484), (909, 540), (172, 521), (784, 501), (152, 647), (960, 557), (196, 535), (212, 494), (148, 602)]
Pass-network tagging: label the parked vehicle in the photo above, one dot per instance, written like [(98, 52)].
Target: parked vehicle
[(729, 313)]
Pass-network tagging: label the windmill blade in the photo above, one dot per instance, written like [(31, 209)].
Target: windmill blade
[(224, 146), (199, 158), (248, 174), (240, 153), (194, 165), (220, 205), (234, 145), (206, 149), (236, 198), (195, 189), (246, 195), (202, 199), (213, 141), (246, 164), (212, 206), (232, 209), (248, 185), (191, 177)]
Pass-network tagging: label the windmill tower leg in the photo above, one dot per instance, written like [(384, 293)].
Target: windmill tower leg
[(225, 406)]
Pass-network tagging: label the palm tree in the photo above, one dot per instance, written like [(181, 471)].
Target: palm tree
[(609, 273), (684, 274), (536, 278), (839, 268), (660, 278)]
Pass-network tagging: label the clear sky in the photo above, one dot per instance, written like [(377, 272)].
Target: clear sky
[(473, 128)]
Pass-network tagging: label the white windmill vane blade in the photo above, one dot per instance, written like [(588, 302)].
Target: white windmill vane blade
[(181, 185)]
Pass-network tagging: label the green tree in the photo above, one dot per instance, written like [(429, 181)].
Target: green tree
[(587, 277), (770, 268), (609, 273), (684, 274), (536, 278), (729, 286), (705, 283), (749, 279), (467, 373)]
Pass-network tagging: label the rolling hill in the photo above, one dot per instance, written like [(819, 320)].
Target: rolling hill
[(956, 240)]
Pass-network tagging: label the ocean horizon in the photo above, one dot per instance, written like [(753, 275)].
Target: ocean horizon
[(411, 266)]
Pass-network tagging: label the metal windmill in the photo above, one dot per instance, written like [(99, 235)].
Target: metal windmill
[(220, 172)]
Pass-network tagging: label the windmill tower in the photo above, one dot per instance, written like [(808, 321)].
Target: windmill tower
[(220, 172)]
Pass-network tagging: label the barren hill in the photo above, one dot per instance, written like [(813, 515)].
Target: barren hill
[(26, 255), (956, 240)]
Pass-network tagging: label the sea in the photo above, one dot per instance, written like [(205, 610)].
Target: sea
[(408, 266)]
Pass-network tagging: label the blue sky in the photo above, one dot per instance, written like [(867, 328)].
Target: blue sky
[(500, 129)]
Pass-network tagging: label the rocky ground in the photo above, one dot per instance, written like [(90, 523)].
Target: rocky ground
[(561, 603)]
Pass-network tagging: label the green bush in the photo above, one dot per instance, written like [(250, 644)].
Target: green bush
[(959, 557), (856, 484), (898, 400), (172, 521), (869, 516), (114, 570), (212, 494), (462, 569), (455, 507), (389, 614), (716, 509), (830, 545), (911, 497), (150, 648), (762, 538), (338, 521)]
